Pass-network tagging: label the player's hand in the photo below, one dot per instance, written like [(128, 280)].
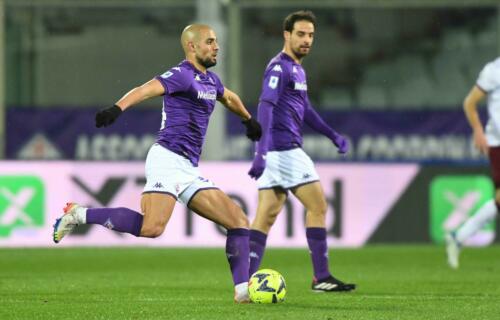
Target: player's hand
[(254, 131), (107, 116), (258, 166), (480, 142), (341, 143)]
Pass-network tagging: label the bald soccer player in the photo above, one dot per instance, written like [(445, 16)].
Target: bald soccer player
[(280, 164), (189, 92)]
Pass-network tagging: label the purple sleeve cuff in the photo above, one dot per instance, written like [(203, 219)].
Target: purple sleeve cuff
[(159, 78)]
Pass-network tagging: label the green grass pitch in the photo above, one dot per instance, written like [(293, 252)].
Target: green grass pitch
[(394, 282)]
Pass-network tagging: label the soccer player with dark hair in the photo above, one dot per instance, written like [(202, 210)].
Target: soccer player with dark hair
[(488, 143), (280, 164), (189, 93)]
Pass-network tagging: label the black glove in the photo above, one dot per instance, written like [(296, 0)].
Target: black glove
[(107, 116), (254, 131)]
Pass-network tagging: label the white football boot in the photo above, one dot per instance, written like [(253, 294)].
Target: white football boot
[(241, 293), (452, 250), (70, 219)]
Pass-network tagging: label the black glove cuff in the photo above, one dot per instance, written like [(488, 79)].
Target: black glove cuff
[(116, 110), (247, 122)]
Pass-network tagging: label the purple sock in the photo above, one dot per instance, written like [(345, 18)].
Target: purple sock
[(237, 250), (316, 239), (257, 247), (118, 219)]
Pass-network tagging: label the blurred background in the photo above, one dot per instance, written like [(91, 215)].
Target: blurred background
[(391, 75)]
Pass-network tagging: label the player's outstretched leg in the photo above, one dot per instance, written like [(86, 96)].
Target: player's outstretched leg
[(323, 281), (119, 219)]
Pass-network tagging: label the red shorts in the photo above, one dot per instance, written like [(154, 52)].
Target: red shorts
[(494, 154)]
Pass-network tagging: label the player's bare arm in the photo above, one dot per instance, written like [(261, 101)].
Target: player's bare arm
[(150, 89), (470, 107), (233, 102)]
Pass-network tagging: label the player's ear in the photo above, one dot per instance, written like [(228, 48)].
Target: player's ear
[(286, 35)]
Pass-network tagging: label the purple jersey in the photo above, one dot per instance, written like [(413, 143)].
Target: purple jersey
[(187, 104), (285, 87)]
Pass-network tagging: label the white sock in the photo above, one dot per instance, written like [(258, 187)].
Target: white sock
[(81, 215), (484, 215), (241, 289)]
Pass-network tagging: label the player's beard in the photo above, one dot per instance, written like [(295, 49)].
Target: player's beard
[(300, 54), (207, 63)]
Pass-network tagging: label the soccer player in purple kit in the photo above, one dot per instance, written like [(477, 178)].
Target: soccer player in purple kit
[(189, 92), (280, 164)]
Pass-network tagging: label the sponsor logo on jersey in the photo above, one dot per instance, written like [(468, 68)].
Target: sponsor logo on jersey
[(207, 95), (197, 78), (300, 86)]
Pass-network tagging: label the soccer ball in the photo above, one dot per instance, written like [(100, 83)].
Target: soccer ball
[(267, 286)]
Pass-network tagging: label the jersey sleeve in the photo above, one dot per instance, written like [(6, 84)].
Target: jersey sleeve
[(275, 79), (174, 80), (489, 78)]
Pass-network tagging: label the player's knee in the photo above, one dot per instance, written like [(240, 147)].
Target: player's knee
[(319, 209), (239, 219), (271, 218)]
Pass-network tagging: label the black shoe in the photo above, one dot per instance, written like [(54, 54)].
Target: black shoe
[(331, 284)]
